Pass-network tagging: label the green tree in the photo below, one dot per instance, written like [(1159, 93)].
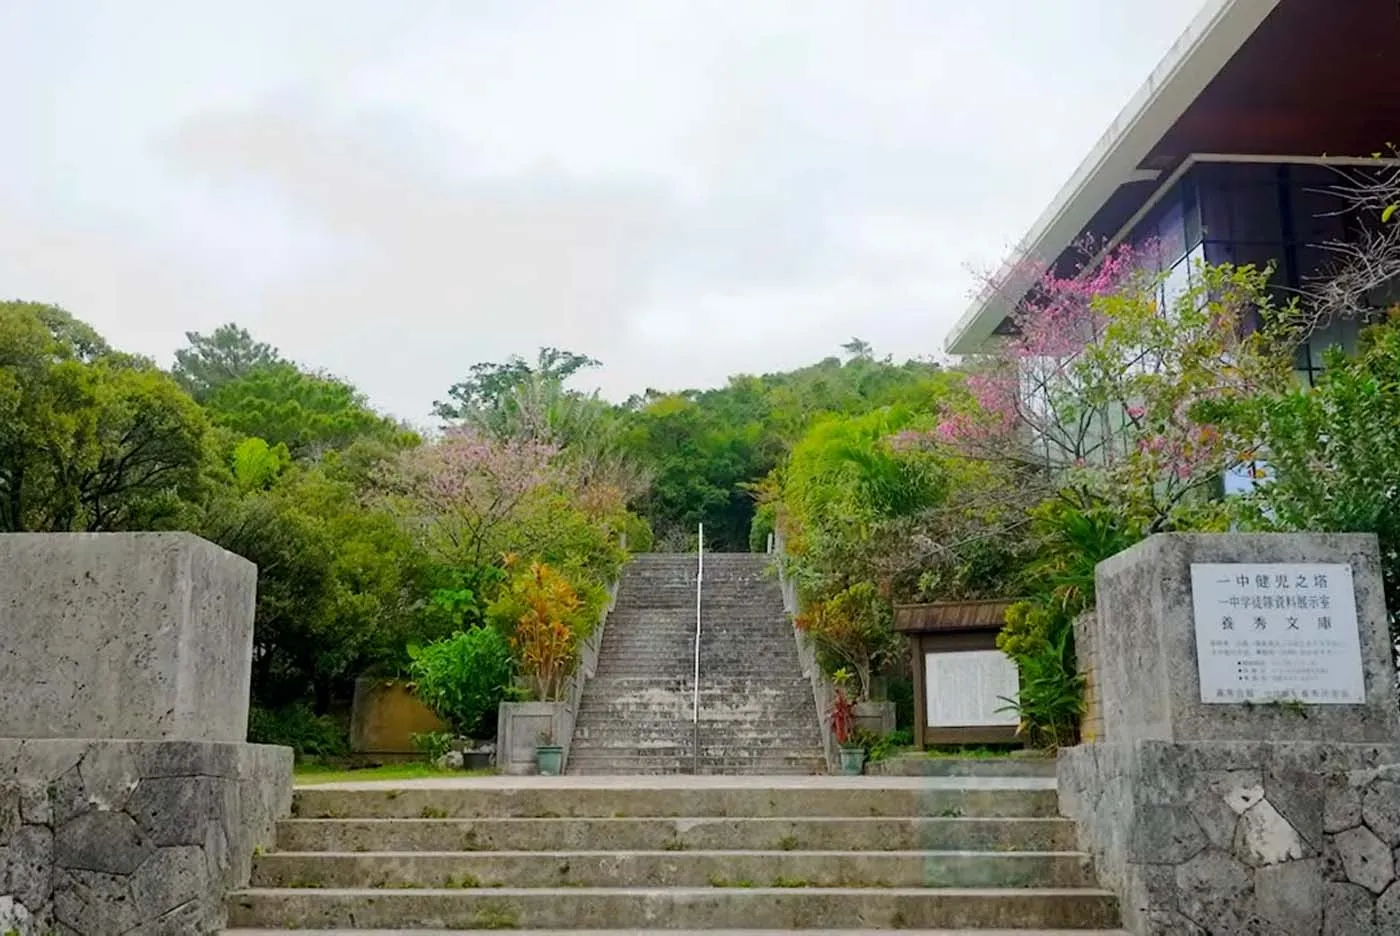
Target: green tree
[(90, 439), (229, 353), (1330, 451), (490, 385), (339, 583), (310, 414)]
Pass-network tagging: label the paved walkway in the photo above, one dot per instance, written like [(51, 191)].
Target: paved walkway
[(690, 782)]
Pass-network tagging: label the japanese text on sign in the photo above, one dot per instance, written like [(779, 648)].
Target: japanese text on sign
[(1273, 631)]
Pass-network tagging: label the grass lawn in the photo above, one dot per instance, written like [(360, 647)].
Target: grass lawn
[(311, 772)]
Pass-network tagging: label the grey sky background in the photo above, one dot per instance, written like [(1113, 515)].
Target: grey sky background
[(393, 190)]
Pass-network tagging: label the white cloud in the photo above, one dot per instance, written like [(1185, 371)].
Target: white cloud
[(683, 188)]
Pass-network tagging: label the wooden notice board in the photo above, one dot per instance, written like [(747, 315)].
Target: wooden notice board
[(959, 675)]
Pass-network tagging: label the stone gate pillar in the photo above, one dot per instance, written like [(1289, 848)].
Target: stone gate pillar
[(1244, 779), (128, 797)]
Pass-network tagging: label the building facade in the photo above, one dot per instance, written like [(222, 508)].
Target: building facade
[(1232, 152)]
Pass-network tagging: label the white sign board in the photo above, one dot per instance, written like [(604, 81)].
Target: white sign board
[(1272, 631), (965, 688)]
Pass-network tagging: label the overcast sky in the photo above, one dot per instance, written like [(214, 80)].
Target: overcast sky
[(395, 189)]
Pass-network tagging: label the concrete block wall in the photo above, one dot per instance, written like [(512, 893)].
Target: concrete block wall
[(124, 635)]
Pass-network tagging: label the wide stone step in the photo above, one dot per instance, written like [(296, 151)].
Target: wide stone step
[(832, 796), (672, 932), (672, 869), (677, 834), (918, 765), (653, 908), (621, 762)]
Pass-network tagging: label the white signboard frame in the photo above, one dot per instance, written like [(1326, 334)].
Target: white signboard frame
[(1269, 632), (965, 689)]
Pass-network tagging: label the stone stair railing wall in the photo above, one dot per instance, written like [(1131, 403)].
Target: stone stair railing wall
[(756, 715), (520, 724), (129, 801)]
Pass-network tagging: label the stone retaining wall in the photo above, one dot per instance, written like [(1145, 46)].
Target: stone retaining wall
[(1226, 838), (105, 837)]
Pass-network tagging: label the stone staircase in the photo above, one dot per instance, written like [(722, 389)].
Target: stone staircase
[(757, 715), (699, 854)]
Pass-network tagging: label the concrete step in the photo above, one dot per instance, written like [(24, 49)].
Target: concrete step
[(918, 765), (676, 932), (677, 834), (645, 908), (1030, 797), (672, 869), (620, 762)]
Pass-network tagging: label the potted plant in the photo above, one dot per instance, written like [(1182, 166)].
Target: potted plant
[(842, 717), (549, 757)]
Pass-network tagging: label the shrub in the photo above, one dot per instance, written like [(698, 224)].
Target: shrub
[(852, 630), (549, 618), (842, 715), (432, 744), (299, 728), (1051, 699), (1039, 631), (463, 677)]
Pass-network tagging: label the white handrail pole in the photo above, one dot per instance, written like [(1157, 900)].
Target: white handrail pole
[(695, 686)]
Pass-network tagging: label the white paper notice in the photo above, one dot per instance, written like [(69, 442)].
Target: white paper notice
[(1273, 631), (966, 688)]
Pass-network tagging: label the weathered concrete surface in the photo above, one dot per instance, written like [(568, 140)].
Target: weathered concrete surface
[(687, 932), (1145, 643), (100, 837), (678, 834), (921, 765), (124, 635), (647, 910), (490, 797), (593, 868)]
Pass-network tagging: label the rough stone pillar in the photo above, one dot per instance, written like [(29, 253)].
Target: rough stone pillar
[(1244, 786), (128, 798)]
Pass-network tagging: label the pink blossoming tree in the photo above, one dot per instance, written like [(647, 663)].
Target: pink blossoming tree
[(463, 491), (1104, 390)]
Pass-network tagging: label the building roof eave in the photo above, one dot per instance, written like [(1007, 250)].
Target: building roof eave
[(1194, 60)]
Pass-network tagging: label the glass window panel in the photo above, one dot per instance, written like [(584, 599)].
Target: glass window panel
[(1316, 218), (1254, 213), (1171, 232)]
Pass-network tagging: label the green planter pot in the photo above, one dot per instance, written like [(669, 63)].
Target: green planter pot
[(549, 758), (852, 761)]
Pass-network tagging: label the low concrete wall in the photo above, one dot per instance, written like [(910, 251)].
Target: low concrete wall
[(1086, 650), (386, 715), (101, 837), (124, 635), (876, 717)]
